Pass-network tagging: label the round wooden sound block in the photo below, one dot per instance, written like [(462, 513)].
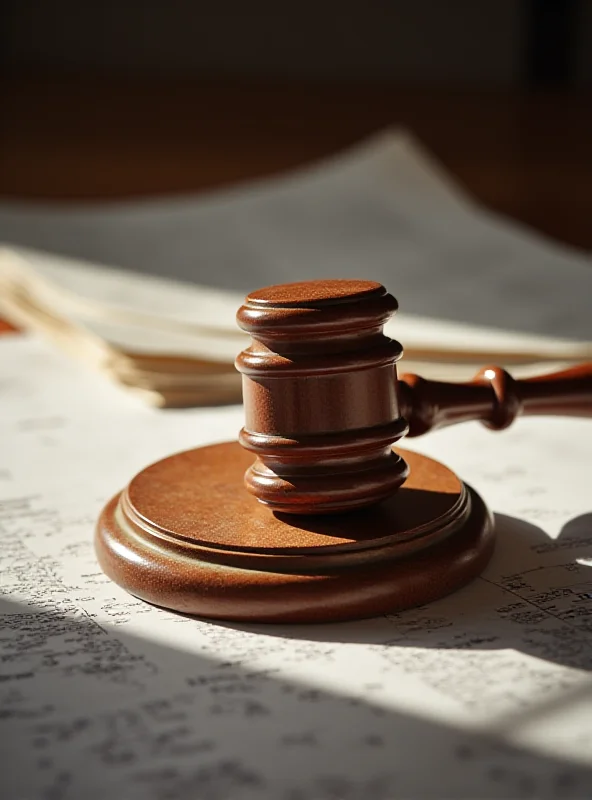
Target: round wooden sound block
[(187, 536)]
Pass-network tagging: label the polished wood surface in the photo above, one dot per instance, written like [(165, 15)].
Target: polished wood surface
[(494, 398), (6, 327), (186, 535), (525, 155), (321, 410)]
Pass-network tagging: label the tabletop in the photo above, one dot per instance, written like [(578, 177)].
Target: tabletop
[(525, 155)]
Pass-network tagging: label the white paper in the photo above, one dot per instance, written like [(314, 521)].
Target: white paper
[(135, 313), (382, 211), (485, 694)]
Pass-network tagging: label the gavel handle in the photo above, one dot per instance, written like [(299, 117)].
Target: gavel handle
[(494, 398)]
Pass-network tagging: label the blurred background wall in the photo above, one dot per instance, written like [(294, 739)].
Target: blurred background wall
[(489, 43), (126, 98)]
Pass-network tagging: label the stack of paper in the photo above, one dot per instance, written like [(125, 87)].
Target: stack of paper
[(106, 318), (472, 289)]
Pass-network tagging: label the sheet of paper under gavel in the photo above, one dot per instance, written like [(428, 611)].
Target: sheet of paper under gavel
[(312, 516)]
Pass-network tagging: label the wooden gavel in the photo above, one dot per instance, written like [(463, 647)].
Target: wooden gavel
[(323, 408), (323, 403)]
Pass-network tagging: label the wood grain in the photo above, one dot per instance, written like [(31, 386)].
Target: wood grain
[(319, 389), (185, 535), (494, 398)]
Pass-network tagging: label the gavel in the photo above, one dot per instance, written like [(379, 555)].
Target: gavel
[(323, 403), (312, 515)]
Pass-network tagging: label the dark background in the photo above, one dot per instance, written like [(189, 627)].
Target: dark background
[(502, 43), (134, 97)]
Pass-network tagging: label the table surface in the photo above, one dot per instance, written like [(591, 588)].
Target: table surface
[(528, 156)]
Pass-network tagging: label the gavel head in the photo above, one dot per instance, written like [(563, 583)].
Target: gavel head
[(320, 395)]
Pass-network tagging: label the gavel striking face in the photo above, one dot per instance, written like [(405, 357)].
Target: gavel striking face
[(344, 528), (324, 405)]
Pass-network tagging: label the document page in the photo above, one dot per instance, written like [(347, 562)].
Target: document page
[(384, 210), (484, 694)]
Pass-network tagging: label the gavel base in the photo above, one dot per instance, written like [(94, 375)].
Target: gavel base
[(187, 536)]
